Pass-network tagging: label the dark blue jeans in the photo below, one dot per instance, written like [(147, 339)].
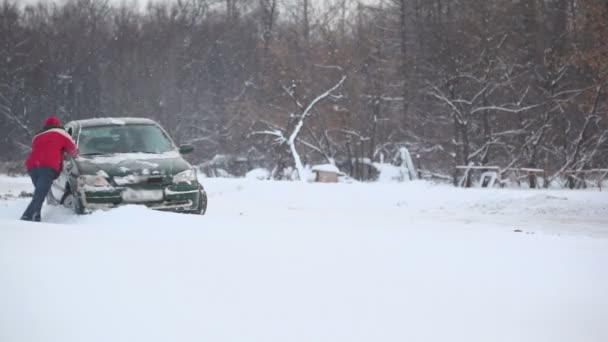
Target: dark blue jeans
[(42, 177)]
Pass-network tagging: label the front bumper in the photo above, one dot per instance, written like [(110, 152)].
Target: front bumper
[(170, 198)]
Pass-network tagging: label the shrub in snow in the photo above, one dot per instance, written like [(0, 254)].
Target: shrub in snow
[(400, 168), (12, 168), (259, 173), (223, 165), (218, 173), (391, 173), (291, 174)]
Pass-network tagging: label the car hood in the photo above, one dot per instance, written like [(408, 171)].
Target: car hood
[(125, 164)]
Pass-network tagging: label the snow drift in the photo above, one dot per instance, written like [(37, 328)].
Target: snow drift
[(277, 261)]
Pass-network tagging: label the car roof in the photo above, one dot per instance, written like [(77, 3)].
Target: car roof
[(118, 121)]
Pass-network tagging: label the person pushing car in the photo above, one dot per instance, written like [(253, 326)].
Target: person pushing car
[(45, 162)]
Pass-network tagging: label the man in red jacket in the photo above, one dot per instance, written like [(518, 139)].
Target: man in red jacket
[(45, 161)]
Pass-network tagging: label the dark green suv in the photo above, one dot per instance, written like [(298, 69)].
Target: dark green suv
[(127, 161)]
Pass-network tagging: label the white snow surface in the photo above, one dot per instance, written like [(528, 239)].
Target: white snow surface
[(292, 261), (326, 168)]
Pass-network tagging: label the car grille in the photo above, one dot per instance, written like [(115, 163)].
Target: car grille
[(155, 180), (140, 180)]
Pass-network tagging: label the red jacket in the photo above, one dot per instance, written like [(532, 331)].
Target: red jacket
[(48, 148)]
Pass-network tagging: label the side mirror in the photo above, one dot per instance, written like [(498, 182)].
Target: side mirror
[(185, 149)]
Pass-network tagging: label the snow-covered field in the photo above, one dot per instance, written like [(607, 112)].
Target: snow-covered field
[(279, 261)]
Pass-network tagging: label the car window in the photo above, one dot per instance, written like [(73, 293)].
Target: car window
[(123, 139)]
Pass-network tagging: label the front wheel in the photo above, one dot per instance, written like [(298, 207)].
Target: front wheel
[(50, 199), (202, 202), (74, 203)]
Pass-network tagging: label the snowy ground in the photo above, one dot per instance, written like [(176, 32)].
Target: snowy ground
[(278, 261)]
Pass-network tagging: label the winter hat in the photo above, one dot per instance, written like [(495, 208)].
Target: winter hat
[(52, 121)]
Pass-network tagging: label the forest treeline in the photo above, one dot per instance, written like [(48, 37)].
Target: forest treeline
[(274, 83)]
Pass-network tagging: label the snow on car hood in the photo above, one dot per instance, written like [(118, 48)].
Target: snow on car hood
[(121, 157), (125, 164)]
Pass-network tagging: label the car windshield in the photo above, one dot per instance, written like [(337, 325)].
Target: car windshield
[(123, 139)]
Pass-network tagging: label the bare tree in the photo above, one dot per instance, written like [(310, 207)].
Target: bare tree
[(290, 136)]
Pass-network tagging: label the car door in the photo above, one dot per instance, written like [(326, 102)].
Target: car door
[(59, 185)]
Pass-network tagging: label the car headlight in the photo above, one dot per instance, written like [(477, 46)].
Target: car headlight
[(187, 176), (96, 181)]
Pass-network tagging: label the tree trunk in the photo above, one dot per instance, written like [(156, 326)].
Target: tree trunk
[(404, 61)]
